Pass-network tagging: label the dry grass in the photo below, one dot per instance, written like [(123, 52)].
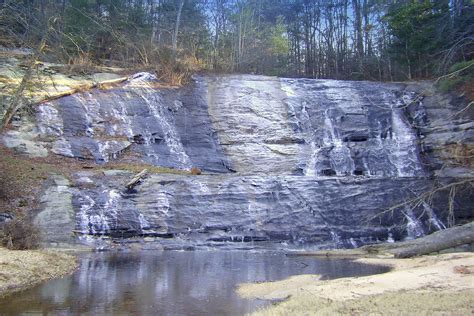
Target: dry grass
[(460, 154), (176, 72), (468, 90), (80, 65), (23, 269), (394, 303)]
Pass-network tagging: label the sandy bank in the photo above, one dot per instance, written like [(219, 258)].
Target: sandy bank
[(21, 269), (423, 285)]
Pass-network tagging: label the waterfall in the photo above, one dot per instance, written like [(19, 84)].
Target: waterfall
[(85, 221), (95, 219), (414, 227), (310, 169), (157, 108), (403, 151), (90, 107), (291, 161), (153, 220), (340, 155), (144, 224), (119, 112), (49, 121), (434, 220)]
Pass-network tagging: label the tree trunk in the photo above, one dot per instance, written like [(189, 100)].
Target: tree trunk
[(176, 28), (16, 101), (154, 25), (358, 33), (440, 240)]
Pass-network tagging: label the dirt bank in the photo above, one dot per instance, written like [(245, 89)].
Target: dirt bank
[(20, 269), (423, 285)]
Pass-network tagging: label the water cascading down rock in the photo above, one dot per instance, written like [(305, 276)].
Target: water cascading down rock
[(295, 162)]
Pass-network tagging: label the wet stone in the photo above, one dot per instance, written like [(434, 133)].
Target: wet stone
[(284, 161)]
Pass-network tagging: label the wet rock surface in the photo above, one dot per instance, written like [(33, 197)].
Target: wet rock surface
[(287, 161), (247, 210), (445, 128), (167, 127)]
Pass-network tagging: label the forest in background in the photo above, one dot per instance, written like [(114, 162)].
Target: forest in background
[(342, 39)]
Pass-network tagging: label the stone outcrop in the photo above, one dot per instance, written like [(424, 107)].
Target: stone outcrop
[(288, 161)]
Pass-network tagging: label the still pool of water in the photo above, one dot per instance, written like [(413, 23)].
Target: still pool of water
[(170, 283)]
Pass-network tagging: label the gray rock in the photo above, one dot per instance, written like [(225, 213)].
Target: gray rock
[(4, 218), (288, 161), (24, 141), (216, 210), (56, 218)]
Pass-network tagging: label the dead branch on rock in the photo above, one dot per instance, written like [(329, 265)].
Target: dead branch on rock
[(136, 179)]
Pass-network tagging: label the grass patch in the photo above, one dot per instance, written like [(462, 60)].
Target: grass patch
[(395, 303)]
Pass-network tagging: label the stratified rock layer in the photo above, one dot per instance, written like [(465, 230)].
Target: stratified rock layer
[(289, 161)]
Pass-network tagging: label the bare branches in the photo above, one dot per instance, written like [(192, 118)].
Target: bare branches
[(428, 195), (450, 75)]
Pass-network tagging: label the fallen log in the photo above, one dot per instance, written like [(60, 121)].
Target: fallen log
[(84, 87), (436, 242), (106, 83), (440, 240), (136, 179)]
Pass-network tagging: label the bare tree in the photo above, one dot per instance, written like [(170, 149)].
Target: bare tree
[(176, 28)]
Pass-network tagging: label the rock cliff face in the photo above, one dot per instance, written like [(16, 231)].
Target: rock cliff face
[(289, 161)]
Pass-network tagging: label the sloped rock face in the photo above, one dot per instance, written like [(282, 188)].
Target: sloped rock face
[(445, 127), (247, 211), (296, 162), (314, 127), (101, 125)]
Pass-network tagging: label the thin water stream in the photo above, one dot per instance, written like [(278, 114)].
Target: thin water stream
[(170, 283)]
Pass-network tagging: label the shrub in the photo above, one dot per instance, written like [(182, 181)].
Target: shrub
[(80, 64), (461, 73), (20, 233), (175, 70)]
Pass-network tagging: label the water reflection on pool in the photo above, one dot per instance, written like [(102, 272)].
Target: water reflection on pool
[(170, 282)]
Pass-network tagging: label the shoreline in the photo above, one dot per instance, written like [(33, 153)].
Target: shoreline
[(442, 283), (23, 269)]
